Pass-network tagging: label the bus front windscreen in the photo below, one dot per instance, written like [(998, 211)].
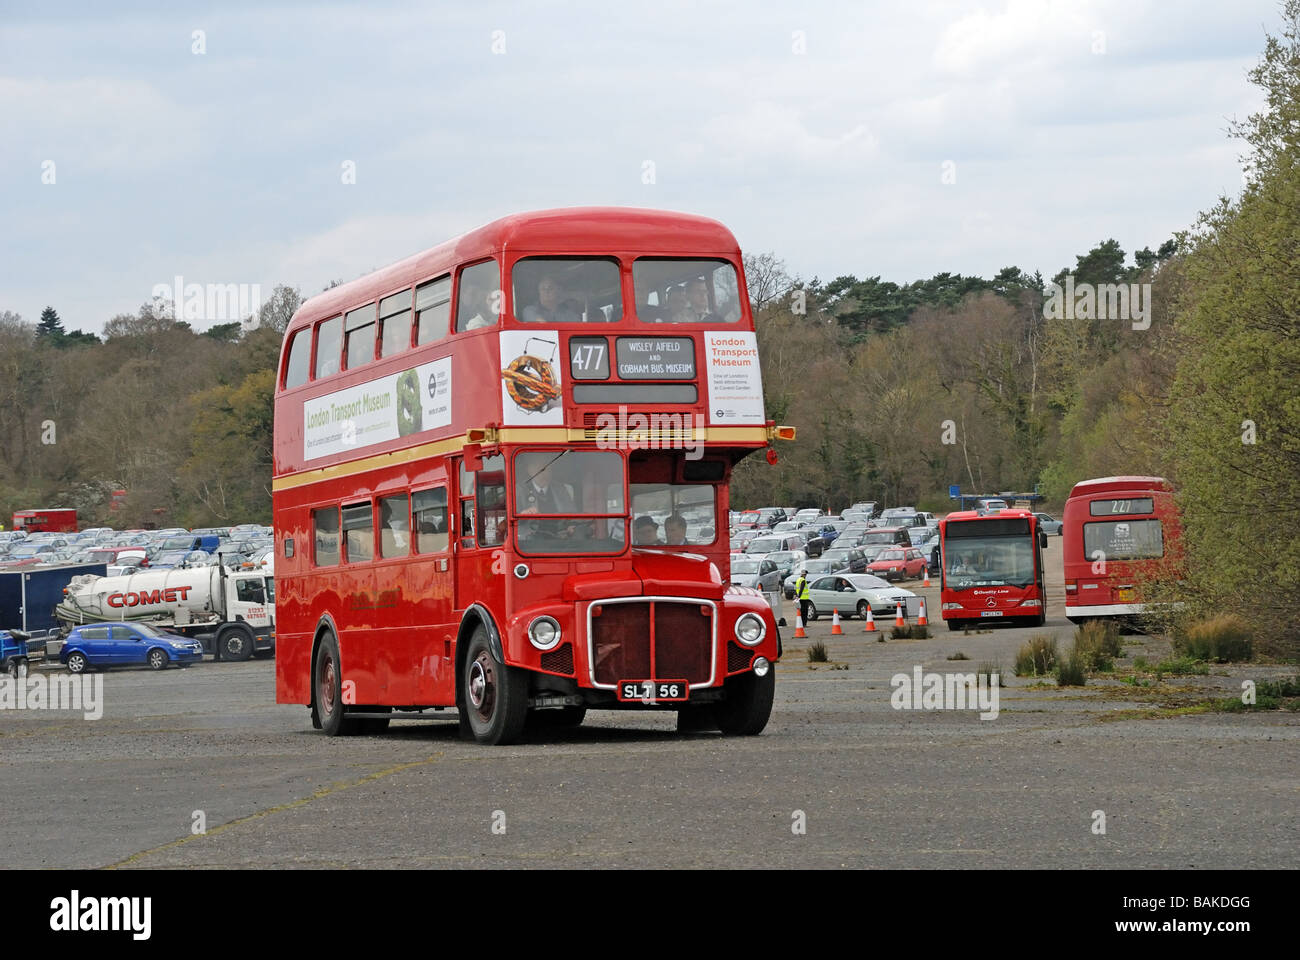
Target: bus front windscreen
[(988, 562), (570, 501)]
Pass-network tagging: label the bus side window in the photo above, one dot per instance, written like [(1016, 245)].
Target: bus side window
[(326, 524), (298, 366), (359, 532), (430, 510), (329, 345), (394, 526), (432, 309), (492, 501)]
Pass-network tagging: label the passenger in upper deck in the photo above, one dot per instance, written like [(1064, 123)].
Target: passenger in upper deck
[(549, 308), (678, 306), (697, 292), (484, 303)]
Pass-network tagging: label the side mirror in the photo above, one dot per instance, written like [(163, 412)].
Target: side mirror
[(1042, 539)]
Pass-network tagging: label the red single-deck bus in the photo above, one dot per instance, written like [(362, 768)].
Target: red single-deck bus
[(992, 568), (53, 520), (1116, 531), (500, 481)]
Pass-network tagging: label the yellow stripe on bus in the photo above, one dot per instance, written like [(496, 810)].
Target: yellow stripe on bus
[(756, 435)]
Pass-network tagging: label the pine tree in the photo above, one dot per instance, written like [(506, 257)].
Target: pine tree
[(50, 326)]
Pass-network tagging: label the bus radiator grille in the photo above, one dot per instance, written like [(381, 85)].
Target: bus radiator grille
[(683, 642)]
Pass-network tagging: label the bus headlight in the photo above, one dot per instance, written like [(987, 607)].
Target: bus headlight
[(750, 629), (544, 633), (1031, 603)]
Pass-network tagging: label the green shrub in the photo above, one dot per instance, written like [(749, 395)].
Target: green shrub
[(1281, 687), (919, 631), (817, 652), (1097, 644), (1071, 671), (1225, 638), (1037, 657), (957, 655), (1182, 665), (900, 633)]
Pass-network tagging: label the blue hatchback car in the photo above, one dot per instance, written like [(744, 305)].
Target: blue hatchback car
[(107, 645)]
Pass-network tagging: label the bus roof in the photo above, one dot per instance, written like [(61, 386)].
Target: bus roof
[(985, 514), (572, 230), (1110, 484)]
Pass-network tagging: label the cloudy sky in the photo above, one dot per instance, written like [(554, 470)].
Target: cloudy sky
[(821, 131)]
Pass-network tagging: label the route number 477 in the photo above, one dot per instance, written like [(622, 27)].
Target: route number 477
[(589, 356)]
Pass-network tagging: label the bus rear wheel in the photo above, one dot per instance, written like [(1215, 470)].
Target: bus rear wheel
[(494, 697), (748, 705), (327, 689)]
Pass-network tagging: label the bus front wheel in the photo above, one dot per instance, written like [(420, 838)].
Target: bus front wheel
[(748, 705), (494, 697)]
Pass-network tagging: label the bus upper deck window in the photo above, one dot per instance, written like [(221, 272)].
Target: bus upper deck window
[(329, 345)]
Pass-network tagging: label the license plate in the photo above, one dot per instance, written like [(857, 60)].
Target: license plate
[(991, 613), (653, 691), (1126, 596)]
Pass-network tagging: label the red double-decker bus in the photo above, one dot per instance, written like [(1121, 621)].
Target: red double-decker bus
[(1115, 533), (55, 519), (501, 471), (992, 563)]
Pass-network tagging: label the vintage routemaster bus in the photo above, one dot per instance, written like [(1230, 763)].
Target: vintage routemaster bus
[(1117, 531), (992, 563), (55, 519), (501, 481)]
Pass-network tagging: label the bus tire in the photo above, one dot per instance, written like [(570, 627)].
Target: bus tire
[(494, 697), (955, 624), (748, 705), (234, 643), (327, 690)]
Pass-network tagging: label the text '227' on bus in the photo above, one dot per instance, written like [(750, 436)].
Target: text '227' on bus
[(501, 482), (1118, 534), (992, 568)]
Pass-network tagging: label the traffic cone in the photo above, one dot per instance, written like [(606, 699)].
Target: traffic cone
[(898, 614), (798, 627), (871, 622), (926, 582), (921, 620), (835, 623)]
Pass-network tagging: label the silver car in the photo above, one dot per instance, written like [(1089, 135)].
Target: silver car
[(757, 572), (853, 593), (1049, 526)]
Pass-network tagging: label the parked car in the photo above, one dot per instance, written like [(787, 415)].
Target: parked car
[(764, 545), (886, 535), (787, 561), (991, 503), (866, 506), (759, 573), (808, 514), (898, 563), (923, 538), (814, 568), (105, 645), (852, 594), (851, 557), (1049, 526)]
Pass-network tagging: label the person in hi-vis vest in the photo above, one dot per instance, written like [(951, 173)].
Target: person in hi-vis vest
[(802, 594)]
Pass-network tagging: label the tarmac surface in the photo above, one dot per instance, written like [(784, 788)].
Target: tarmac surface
[(840, 778)]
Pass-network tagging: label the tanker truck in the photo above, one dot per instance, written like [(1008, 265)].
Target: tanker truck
[(231, 614)]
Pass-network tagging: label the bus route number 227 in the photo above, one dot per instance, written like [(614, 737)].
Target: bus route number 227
[(653, 691)]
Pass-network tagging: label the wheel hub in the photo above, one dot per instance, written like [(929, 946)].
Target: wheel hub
[(326, 692), (481, 686)]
